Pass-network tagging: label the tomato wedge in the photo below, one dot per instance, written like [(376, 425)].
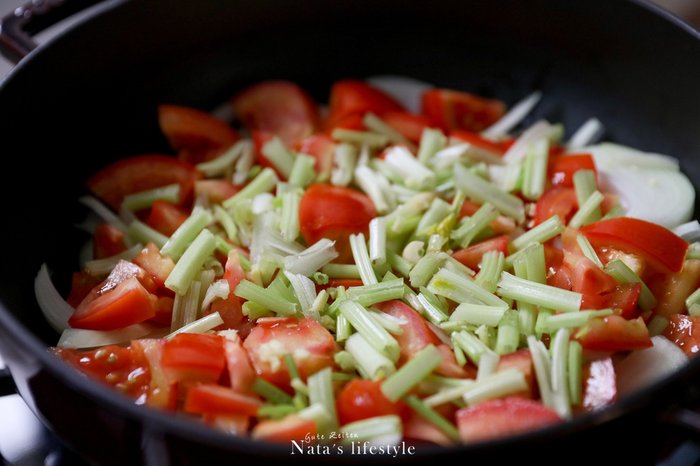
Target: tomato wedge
[(127, 304), (154, 263), (215, 399), (562, 168), (350, 97), (557, 200), (658, 245), (335, 213), (450, 110), (322, 148), (672, 289), (684, 331), (162, 393), (410, 125), (277, 107), (194, 357), (166, 217), (614, 333), (107, 241), (230, 309), (240, 371), (82, 283), (363, 399), (471, 256), (140, 173), (197, 135), (292, 427)]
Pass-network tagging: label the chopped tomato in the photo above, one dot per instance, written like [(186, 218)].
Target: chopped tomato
[(671, 290), (562, 168), (416, 335), (107, 241), (164, 310), (623, 297), (215, 399), (353, 121), (350, 97), (260, 138), (154, 263), (309, 343), (410, 125), (140, 173), (363, 399), (586, 277), (450, 110), (502, 225), (599, 384), (292, 427), (116, 366), (418, 428), (277, 107), (495, 419), (471, 256), (194, 357), (322, 148), (240, 371), (216, 191), (684, 331), (614, 333), (196, 135), (126, 304), (162, 393), (656, 244), (230, 309), (82, 283), (335, 213), (557, 200), (522, 361), (166, 217), (475, 139)]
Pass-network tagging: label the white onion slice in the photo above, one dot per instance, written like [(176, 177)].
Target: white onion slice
[(609, 156), (56, 310), (589, 133), (644, 367), (513, 117), (103, 212), (689, 231), (80, 338), (406, 91)]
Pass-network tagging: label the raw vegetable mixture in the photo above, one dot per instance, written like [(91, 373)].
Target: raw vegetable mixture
[(412, 265)]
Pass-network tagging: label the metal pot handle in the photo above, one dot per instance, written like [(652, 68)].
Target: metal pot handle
[(18, 27)]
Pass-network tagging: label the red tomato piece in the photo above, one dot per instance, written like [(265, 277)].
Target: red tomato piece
[(322, 148), (277, 107), (562, 168), (477, 140), (495, 419), (363, 399), (335, 213), (614, 333), (164, 310), (410, 125), (82, 283), (671, 290), (141, 173), (684, 331), (194, 357), (556, 201), (292, 427), (656, 244), (166, 217), (216, 191), (599, 384), (162, 393), (345, 121), (417, 428), (215, 399), (471, 256), (624, 298), (309, 343), (349, 97), (155, 264), (586, 277), (230, 309), (240, 371), (107, 241), (126, 304), (450, 110), (116, 366), (417, 335), (522, 361), (197, 135)]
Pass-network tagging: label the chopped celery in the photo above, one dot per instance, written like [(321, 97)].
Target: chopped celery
[(369, 362), (265, 297), (377, 187), (587, 210), (461, 289), (343, 329), (321, 391), (538, 294), (431, 141), (433, 310), (496, 385), (694, 298), (587, 250), (541, 233), (411, 373), (190, 264), (139, 232), (341, 270), (368, 295), (255, 311), (482, 191), (376, 124), (202, 325), (560, 382), (145, 199), (471, 345), (185, 234), (224, 163), (345, 157), (477, 314), (262, 183), (289, 218), (535, 169), (508, 336), (408, 169), (305, 291), (377, 240), (492, 263), (345, 361), (574, 371), (303, 173), (312, 258), (279, 156), (585, 185), (657, 325), (543, 371), (361, 258), (376, 335), (270, 392), (425, 269), (572, 319), (360, 137), (384, 429), (472, 226)]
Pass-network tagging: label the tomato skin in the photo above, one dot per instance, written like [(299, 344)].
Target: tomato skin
[(322, 148), (563, 168), (654, 243), (671, 290), (194, 357), (231, 308), (477, 140), (140, 173), (162, 393), (166, 217), (240, 371), (334, 212), (107, 241), (310, 344), (557, 200), (614, 333), (450, 110), (522, 361), (197, 135), (277, 107), (363, 399), (684, 331), (410, 125), (350, 97), (82, 283), (284, 430), (216, 191), (126, 304), (471, 256), (625, 298), (353, 121), (155, 264), (215, 399)]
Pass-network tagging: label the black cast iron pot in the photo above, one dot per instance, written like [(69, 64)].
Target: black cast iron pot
[(74, 105)]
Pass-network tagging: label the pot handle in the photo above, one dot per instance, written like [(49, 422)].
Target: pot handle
[(18, 27)]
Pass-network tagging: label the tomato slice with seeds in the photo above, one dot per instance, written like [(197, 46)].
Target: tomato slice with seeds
[(450, 110)]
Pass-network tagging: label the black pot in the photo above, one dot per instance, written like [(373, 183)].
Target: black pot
[(90, 97)]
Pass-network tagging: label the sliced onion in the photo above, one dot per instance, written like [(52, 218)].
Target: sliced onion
[(689, 231), (642, 368), (609, 156), (589, 133), (513, 118), (407, 91), (80, 338), (56, 310), (103, 212)]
